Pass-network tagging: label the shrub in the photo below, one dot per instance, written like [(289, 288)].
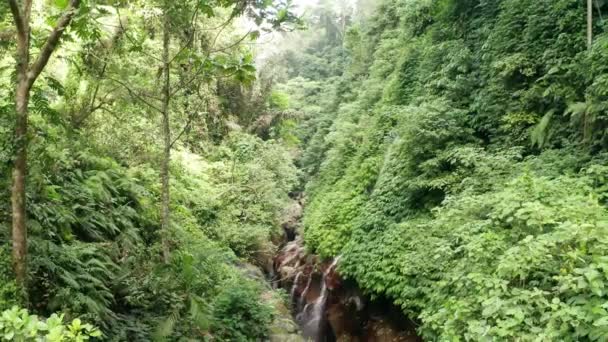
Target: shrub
[(9, 292), (238, 314), (18, 325)]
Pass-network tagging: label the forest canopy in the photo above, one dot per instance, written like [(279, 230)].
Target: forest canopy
[(451, 154)]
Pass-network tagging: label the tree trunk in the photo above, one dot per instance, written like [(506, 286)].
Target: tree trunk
[(22, 99), (19, 231), (589, 24), (26, 76), (166, 131)]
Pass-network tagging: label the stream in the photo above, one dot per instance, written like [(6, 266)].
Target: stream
[(326, 307)]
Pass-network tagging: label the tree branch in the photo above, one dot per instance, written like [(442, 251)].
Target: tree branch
[(208, 54), (111, 112), (188, 123), (239, 41), (134, 94), (192, 34), (221, 29), (27, 13), (179, 136), (190, 81), (97, 86), (19, 22), (120, 23), (52, 41)]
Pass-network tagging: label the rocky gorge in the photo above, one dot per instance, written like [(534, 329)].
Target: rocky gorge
[(326, 306)]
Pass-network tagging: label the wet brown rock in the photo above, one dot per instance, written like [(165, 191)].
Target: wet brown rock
[(383, 331), (344, 314)]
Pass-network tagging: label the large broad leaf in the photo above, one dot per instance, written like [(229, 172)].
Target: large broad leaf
[(61, 4), (282, 14), (207, 10)]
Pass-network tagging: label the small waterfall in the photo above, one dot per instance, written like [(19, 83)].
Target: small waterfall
[(332, 266), (318, 305), (302, 300), (295, 286), (312, 320), (292, 250), (330, 308)]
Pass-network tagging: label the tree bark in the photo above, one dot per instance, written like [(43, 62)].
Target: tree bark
[(18, 196), (22, 93), (26, 76), (166, 131), (589, 24)]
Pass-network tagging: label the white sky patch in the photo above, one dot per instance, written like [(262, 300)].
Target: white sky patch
[(302, 4), (268, 40)]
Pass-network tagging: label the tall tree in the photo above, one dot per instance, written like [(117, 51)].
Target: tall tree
[(181, 17), (166, 131), (589, 24), (27, 73)]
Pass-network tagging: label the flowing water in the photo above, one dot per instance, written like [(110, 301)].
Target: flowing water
[(326, 307), (312, 319), (295, 287), (302, 301)]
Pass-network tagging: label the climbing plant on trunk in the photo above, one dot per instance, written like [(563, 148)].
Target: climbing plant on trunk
[(27, 73)]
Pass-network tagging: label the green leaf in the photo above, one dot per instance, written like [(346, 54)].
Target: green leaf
[(61, 4), (602, 322), (207, 10), (254, 35)]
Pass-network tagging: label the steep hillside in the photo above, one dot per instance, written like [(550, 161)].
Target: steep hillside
[(455, 158)]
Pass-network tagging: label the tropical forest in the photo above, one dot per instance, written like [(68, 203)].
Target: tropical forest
[(304, 170)]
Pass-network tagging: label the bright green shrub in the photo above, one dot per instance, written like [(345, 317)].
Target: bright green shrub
[(411, 176), (279, 100), (18, 325), (522, 261), (75, 278), (252, 178), (95, 248), (238, 314), (82, 222), (9, 292)]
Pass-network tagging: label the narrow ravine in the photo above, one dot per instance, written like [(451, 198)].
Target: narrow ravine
[(325, 306)]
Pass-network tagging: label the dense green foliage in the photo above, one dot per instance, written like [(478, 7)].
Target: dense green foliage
[(18, 325), (453, 151), (455, 154), (97, 256), (94, 189), (239, 316)]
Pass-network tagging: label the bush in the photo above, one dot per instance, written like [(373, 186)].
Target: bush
[(9, 292), (238, 314), (522, 261), (18, 325)]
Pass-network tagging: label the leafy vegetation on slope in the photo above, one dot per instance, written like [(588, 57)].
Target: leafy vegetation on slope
[(96, 249), (97, 255), (18, 325), (456, 160), (453, 151)]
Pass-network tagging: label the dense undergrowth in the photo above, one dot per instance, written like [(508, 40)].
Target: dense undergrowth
[(110, 238), (455, 152), (95, 241)]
